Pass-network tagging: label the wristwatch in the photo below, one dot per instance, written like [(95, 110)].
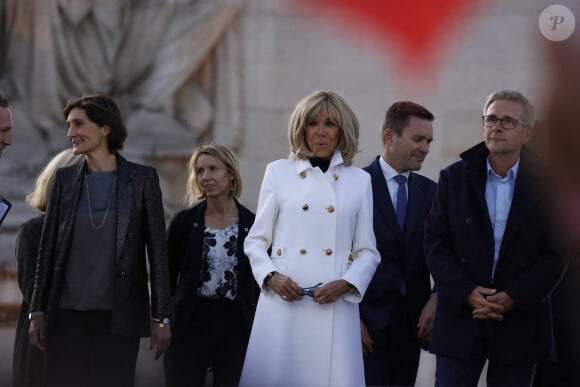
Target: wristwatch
[(32, 315), (268, 276), (161, 321)]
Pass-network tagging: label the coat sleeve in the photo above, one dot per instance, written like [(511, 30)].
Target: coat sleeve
[(365, 256), (453, 283), (259, 238), (156, 245)]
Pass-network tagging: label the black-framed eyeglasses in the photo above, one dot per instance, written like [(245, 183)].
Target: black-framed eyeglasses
[(310, 291), (506, 122)]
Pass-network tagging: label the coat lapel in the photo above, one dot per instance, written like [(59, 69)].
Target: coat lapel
[(381, 197), (71, 191), (522, 200), (476, 178), (416, 204), (124, 201)]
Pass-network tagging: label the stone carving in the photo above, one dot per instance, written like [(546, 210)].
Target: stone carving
[(173, 66)]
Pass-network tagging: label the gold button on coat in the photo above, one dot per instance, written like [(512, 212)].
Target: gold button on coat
[(279, 252), (328, 251), (335, 176), (305, 207), (303, 174), (330, 209), (302, 251)]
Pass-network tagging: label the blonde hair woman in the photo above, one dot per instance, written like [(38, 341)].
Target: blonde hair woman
[(213, 292), (312, 250)]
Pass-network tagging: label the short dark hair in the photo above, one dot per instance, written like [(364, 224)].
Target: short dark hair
[(4, 101), (398, 115), (103, 111)]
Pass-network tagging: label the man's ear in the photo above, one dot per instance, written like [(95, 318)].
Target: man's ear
[(528, 134), (388, 135)]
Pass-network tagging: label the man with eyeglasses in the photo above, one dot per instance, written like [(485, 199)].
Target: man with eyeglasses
[(492, 250)]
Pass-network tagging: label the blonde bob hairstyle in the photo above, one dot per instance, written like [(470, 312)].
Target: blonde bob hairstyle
[(223, 155), (38, 198), (308, 109)]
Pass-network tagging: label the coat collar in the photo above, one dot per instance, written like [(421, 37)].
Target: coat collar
[(476, 157), (304, 164), (198, 215)]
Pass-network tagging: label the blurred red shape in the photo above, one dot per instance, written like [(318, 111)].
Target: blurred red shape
[(417, 28)]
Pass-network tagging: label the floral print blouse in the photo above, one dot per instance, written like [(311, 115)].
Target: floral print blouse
[(219, 268)]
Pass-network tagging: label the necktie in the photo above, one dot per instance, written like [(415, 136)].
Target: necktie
[(401, 209)]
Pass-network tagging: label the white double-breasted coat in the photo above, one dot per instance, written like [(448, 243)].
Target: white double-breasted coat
[(319, 226)]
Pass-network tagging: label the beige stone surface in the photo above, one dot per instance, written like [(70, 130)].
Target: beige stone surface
[(290, 51), (266, 55)]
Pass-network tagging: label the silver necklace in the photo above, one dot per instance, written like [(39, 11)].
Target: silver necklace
[(108, 203)]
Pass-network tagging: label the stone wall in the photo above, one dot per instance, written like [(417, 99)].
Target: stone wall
[(267, 54), (290, 51)]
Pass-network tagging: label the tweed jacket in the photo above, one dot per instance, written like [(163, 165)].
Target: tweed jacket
[(140, 229), (459, 248), (185, 246)]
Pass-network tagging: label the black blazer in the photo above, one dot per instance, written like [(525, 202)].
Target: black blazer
[(140, 228), (402, 254), (459, 247), (28, 362), (185, 244)]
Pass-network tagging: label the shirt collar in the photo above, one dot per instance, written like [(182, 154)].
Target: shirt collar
[(511, 175), (389, 172)]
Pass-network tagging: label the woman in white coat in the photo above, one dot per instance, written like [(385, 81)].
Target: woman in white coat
[(313, 226)]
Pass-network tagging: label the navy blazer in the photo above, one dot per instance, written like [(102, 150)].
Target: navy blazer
[(402, 254), (185, 244), (460, 248), (140, 230)]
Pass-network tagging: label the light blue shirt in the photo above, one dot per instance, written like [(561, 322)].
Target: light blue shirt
[(499, 192)]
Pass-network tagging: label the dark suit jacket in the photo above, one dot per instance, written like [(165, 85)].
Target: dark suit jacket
[(185, 244), (140, 228), (460, 247), (28, 361), (402, 255)]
